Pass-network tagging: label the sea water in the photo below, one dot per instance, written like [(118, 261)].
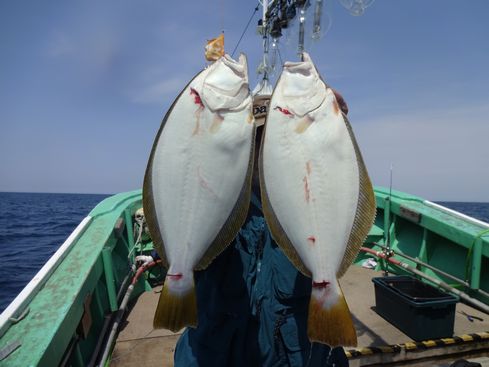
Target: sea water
[(33, 226)]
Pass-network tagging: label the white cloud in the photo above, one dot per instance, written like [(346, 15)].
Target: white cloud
[(438, 155), (158, 91), (90, 48)]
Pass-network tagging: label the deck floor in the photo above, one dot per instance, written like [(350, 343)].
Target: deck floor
[(139, 344), (372, 329)]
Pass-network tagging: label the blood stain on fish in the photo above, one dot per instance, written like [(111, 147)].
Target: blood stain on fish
[(197, 99), (203, 182), (311, 240), (177, 276), (307, 191), (322, 284), (285, 111)]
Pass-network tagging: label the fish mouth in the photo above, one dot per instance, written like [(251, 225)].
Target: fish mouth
[(239, 66), (298, 66), (301, 87), (226, 86)]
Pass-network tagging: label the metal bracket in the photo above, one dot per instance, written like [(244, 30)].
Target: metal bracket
[(21, 317), (9, 349)]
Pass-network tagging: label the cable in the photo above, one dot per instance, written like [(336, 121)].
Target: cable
[(246, 28), (280, 56), (142, 340)]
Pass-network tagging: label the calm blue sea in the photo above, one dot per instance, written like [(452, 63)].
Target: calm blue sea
[(33, 226)]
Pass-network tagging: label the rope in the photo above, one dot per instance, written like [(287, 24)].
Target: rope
[(246, 28), (140, 226), (221, 15), (280, 56)]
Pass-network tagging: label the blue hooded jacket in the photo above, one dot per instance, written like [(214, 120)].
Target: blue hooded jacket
[(252, 308)]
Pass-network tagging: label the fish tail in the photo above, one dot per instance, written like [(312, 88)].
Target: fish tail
[(177, 307), (329, 321)]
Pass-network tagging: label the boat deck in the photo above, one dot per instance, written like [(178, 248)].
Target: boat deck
[(379, 342), (138, 344)]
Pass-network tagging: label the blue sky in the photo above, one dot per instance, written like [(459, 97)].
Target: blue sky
[(84, 86)]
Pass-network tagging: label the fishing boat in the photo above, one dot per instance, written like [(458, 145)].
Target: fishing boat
[(92, 303), (91, 306)]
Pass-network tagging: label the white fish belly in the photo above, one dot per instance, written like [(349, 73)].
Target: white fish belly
[(312, 180), (199, 168)]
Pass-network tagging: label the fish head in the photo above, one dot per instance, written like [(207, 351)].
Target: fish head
[(225, 87), (300, 89)]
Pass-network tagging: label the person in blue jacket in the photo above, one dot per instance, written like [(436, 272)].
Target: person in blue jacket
[(253, 304)]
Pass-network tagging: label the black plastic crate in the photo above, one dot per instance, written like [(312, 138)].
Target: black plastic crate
[(419, 310)]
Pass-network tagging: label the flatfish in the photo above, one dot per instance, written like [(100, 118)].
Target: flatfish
[(317, 197), (197, 184)]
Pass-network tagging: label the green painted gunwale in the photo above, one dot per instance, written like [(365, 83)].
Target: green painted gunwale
[(55, 311), (440, 238)]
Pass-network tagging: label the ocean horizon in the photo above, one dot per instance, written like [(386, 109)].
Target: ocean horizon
[(115, 193)]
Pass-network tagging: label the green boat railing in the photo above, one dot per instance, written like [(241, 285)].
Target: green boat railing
[(71, 306), (443, 238)]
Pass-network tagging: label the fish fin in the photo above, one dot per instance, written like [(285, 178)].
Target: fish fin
[(176, 310), (150, 215), (329, 320), (365, 213), (235, 220), (274, 225), (148, 204), (215, 48)]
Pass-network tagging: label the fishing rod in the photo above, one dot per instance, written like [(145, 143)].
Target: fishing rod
[(472, 301), (436, 270), (122, 310), (388, 249)]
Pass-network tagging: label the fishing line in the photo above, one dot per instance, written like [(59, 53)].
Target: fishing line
[(221, 15), (246, 28), (280, 56)]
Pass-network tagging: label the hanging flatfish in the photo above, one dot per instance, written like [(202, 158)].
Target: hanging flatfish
[(198, 182), (316, 194)]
